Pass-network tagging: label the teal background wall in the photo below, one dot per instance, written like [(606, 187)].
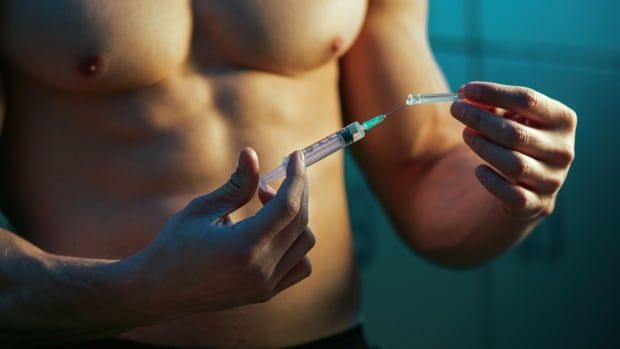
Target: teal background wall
[(560, 287)]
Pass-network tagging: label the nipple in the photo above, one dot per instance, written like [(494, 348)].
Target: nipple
[(91, 66), (336, 45)]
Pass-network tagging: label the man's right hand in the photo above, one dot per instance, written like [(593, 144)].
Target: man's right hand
[(202, 261)]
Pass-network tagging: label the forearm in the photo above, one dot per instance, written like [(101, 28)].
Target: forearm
[(450, 217), (46, 299)]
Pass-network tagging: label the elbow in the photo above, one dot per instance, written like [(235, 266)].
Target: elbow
[(453, 257), (451, 250)]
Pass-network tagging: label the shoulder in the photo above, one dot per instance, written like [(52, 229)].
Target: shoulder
[(389, 17)]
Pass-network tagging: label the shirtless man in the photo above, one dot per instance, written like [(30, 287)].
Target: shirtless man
[(117, 114)]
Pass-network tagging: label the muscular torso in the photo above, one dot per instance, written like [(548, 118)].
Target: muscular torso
[(119, 112)]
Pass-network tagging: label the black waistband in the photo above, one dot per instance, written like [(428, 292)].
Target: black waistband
[(349, 339)]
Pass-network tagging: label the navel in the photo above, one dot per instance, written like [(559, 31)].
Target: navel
[(91, 66)]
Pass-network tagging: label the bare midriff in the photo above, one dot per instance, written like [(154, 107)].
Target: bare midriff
[(119, 113)]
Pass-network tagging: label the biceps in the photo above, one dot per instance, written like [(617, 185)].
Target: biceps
[(416, 10)]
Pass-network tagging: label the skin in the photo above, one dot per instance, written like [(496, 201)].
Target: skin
[(140, 109)]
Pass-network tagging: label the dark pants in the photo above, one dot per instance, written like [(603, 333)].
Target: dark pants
[(350, 339)]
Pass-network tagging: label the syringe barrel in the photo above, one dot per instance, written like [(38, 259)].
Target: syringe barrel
[(320, 149), (332, 143)]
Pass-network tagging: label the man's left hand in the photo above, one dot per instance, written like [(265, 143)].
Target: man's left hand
[(527, 140)]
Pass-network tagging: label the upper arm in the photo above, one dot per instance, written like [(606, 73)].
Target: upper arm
[(390, 59)]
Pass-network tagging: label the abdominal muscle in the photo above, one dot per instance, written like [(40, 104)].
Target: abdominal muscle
[(96, 176)]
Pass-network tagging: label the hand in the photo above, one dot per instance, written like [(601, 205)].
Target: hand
[(527, 140), (202, 261)]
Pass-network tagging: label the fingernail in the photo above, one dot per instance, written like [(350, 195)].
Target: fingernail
[(245, 157), (299, 160), (302, 161)]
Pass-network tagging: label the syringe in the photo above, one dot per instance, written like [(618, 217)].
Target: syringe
[(351, 134)]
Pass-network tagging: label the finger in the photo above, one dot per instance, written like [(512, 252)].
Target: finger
[(283, 240), (236, 192), (506, 132), (516, 166), (525, 101), (490, 108), (284, 207), (514, 197), (292, 253), (300, 271)]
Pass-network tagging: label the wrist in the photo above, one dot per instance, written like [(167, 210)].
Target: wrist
[(145, 293), (102, 291)]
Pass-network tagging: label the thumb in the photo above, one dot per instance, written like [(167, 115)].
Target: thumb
[(236, 192)]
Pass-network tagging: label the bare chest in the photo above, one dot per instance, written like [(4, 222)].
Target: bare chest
[(104, 46)]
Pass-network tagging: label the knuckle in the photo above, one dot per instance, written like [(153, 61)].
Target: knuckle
[(306, 267), (520, 169), (290, 207), (554, 184), (235, 183), (520, 136), (519, 200), (309, 239), (569, 117), (528, 98), (549, 208), (567, 156), (258, 276), (570, 156), (572, 118)]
